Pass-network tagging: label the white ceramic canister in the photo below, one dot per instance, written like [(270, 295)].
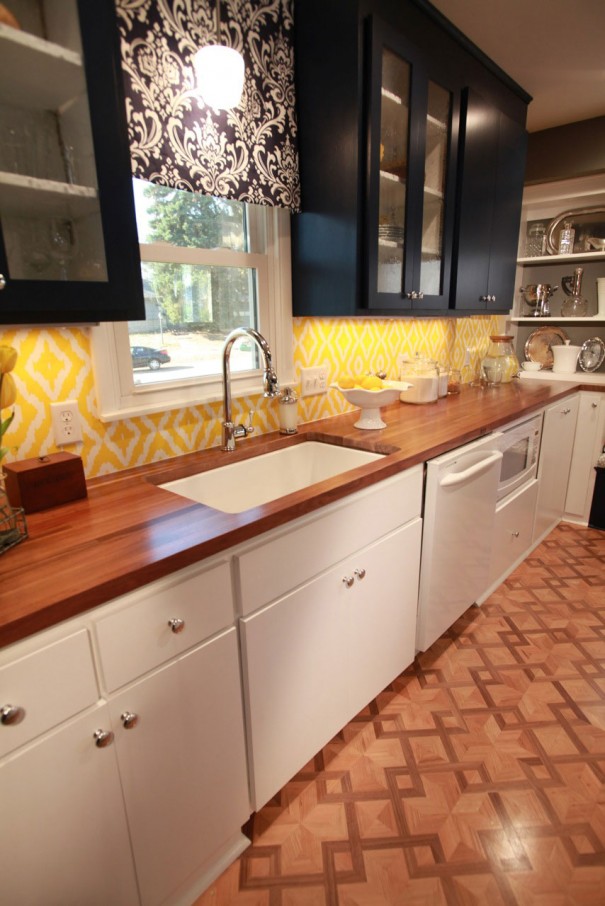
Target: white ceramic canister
[(565, 358), (423, 375)]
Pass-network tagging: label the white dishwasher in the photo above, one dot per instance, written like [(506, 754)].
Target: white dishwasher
[(459, 511)]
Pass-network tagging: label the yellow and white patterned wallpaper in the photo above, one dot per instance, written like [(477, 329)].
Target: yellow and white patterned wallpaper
[(54, 364)]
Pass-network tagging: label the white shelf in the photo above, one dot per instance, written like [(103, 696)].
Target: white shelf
[(563, 259), (26, 196), (557, 320), (37, 74)]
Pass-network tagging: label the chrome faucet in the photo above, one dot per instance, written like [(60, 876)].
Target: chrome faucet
[(230, 431)]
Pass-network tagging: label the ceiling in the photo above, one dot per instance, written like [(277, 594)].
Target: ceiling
[(554, 49)]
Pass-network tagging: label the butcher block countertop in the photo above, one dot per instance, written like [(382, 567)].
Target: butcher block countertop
[(128, 532)]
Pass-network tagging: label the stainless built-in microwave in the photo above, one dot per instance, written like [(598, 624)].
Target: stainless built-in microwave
[(520, 445)]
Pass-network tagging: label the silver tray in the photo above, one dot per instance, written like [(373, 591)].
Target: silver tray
[(592, 354)]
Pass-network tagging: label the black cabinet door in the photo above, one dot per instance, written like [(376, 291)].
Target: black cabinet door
[(68, 240), (408, 221), (490, 181)]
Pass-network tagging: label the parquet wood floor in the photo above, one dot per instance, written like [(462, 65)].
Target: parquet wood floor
[(476, 779)]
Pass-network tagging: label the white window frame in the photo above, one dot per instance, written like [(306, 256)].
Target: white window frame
[(118, 397)]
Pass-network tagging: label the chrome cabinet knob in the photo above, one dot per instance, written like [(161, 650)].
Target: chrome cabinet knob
[(103, 738), (176, 625), (129, 720), (2, 281), (360, 573), (515, 534), (566, 411), (11, 714), (349, 581), (594, 405)]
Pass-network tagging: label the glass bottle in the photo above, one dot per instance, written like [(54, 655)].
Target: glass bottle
[(566, 238), (575, 305), (501, 364)]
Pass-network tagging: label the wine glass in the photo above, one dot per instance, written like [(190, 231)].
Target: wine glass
[(62, 243)]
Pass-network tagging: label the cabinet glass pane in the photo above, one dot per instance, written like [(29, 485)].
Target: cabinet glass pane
[(394, 125), (49, 206), (435, 170)]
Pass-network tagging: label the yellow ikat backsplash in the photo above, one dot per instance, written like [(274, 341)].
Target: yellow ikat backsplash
[(54, 364)]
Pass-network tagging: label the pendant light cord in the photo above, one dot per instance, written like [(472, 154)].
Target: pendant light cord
[(218, 21)]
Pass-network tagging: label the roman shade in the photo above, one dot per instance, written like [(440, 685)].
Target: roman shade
[(248, 153)]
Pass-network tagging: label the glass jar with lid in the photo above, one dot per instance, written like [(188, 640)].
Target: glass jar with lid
[(423, 375), (501, 364)]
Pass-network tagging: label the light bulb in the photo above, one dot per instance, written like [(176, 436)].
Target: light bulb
[(220, 76)]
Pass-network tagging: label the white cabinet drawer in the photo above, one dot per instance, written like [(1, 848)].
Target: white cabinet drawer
[(288, 559), (50, 685), (513, 529), (137, 635)]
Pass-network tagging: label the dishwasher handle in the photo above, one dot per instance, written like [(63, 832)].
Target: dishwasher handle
[(455, 478)]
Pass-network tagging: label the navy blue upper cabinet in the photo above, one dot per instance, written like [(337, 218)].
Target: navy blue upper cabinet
[(492, 169), (412, 116), (388, 189), (68, 240)]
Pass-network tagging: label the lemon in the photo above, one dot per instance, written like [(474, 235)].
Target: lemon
[(346, 383), (371, 382)]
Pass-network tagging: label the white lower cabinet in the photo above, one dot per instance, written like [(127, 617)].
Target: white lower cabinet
[(181, 753), (588, 445), (315, 657), (151, 811), (556, 446), (63, 834), (513, 532)]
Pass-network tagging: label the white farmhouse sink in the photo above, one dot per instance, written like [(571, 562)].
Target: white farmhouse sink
[(239, 486)]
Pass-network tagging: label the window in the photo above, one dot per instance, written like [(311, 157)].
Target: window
[(208, 265)]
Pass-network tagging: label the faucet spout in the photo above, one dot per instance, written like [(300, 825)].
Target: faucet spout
[(270, 383)]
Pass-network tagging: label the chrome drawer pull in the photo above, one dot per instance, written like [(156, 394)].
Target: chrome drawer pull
[(349, 581), (103, 738), (515, 534), (176, 625), (129, 719), (11, 714), (360, 573)]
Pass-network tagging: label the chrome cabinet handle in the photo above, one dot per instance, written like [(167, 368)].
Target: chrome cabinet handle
[(349, 581), (129, 720), (515, 534), (176, 625), (566, 411), (414, 295), (360, 573), (11, 714), (2, 281), (103, 738)]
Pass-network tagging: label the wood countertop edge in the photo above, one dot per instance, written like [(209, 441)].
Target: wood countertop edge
[(128, 532)]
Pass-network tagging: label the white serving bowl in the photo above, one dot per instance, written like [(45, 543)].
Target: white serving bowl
[(531, 366), (370, 401)]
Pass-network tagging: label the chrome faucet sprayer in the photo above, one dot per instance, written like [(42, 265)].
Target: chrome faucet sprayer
[(271, 387)]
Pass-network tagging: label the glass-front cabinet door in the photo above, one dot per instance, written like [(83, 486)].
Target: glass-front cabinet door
[(412, 130), (68, 243)]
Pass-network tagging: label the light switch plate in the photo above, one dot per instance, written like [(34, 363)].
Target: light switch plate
[(314, 380)]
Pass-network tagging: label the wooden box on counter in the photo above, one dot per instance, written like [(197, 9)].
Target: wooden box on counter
[(47, 481)]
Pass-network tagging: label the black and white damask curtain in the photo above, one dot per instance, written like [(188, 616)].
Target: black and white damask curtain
[(245, 154)]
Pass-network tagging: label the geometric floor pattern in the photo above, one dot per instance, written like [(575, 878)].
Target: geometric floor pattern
[(477, 778)]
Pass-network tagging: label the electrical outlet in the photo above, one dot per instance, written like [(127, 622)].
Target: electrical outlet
[(66, 422), (314, 380)]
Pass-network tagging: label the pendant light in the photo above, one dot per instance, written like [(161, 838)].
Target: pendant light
[(219, 71)]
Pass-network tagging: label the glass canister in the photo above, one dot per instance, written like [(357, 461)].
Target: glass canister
[(423, 375), (500, 364)]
